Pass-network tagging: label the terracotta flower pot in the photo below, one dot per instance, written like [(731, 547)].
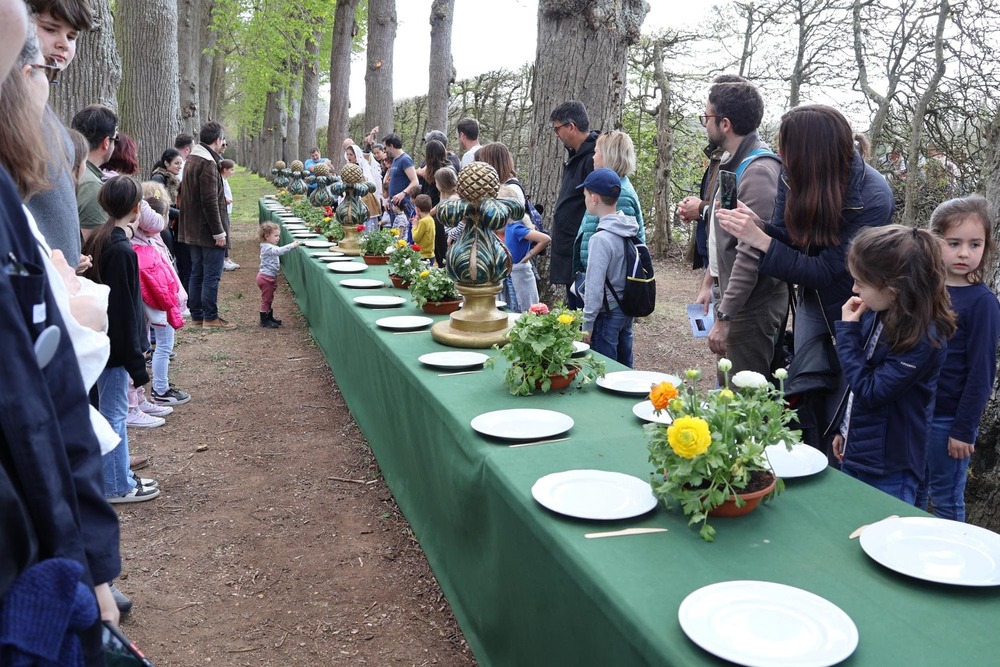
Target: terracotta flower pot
[(399, 282), (559, 381), (373, 260), (441, 307), (751, 500)]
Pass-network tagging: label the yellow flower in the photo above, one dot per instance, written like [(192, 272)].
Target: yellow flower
[(565, 318), (661, 395), (689, 436), (424, 274), (395, 232), (327, 219), (400, 243)]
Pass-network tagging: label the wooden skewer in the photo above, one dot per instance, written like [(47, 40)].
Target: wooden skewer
[(444, 375), (539, 442)]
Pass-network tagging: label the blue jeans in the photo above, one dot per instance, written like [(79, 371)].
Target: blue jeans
[(161, 357), (203, 288), (612, 336), (112, 392), (944, 481), (901, 484)]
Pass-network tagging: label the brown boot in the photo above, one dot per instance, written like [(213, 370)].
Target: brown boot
[(218, 323)]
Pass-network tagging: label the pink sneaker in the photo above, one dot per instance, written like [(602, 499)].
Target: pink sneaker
[(152, 408), (139, 419)]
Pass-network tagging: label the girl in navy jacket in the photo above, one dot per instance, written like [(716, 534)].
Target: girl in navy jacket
[(891, 341)]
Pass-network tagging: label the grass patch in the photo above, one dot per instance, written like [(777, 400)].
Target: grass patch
[(218, 357), (247, 189)]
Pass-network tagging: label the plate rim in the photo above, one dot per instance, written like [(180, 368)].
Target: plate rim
[(546, 481), (330, 266), (876, 530), (381, 322), (817, 457), (651, 421), (602, 381), (836, 658), (360, 300), (369, 286), (472, 423), (422, 359)]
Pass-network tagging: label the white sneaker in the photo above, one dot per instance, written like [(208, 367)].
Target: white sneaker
[(230, 265), (152, 408), (139, 419)]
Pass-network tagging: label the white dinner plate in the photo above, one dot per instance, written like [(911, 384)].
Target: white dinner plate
[(347, 267), (362, 283), (297, 228), (378, 301), (288, 214), (304, 235), (580, 348), (327, 260), (947, 552), (594, 494), (763, 624), (645, 412), (327, 254), (522, 424), (404, 322), (635, 383), (453, 360), (318, 244), (802, 461)]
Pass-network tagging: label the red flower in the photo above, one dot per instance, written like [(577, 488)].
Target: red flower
[(360, 228), (539, 309), (329, 211), (415, 247)]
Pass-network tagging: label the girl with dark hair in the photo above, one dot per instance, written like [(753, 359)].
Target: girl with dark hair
[(167, 172), (892, 341), (826, 195), (116, 265)]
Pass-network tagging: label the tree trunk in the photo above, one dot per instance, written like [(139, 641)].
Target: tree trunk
[(442, 68), (582, 55), (663, 168), (206, 57), (218, 100), (340, 74), (146, 31), (378, 75), (310, 95), (292, 139), (95, 74), (188, 63), (271, 136)]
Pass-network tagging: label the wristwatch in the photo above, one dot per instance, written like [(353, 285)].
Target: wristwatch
[(722, 317)]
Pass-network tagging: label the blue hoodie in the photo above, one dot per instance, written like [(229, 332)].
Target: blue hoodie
[(607, 260)]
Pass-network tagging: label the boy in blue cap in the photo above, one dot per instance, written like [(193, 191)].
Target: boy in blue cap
[(605, 326)]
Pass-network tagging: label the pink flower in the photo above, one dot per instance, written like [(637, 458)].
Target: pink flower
[(539, 309)]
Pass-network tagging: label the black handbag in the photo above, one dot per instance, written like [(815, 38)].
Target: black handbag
[(814, 365)]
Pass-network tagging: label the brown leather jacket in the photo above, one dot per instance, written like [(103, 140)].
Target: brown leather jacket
[(202, 200)]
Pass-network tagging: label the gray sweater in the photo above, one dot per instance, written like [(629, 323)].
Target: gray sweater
[(606, 259), (55, 209), (270, 254)]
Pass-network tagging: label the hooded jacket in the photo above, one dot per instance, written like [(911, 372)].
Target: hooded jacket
[(202, 200), (570, 209), (607, 260), (628, 204)]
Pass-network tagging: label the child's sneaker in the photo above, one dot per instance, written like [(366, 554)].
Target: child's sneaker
[(139, 419), (152, 408), (137, 495), (171, 397)]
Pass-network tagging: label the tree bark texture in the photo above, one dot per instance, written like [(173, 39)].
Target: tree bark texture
[(208, 39), (146, 32), (217, 103), (442, 68), (340, 74), (292, 138), (378, 75), (663, 168), (310, 93), (189, 61), (95, 74), (582, 56), (271, 135)]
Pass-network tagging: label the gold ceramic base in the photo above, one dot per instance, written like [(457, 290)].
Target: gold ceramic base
[(351, 243), (479, 324)]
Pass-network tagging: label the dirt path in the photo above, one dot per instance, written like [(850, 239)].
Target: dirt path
[(275, 540)]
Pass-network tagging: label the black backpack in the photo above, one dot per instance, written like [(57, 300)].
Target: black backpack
[(638, 299)]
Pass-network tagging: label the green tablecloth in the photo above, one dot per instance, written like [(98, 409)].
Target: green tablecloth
[(524, 584)]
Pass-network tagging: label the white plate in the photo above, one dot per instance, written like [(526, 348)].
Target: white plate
[(645, 412), (594, 494), (580, 348), (362, 283), (763, 624), (453, 360), (802, 461), (635, 383), (318, 244), (379, 301), (304, 235), (947, 552), (404, 322), (327, 260), (327, 254), (522, 424), (297, 228), (347, 267)]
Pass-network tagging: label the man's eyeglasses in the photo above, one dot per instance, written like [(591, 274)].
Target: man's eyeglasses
[(115, 138), (704, 119), (556, 128), (50, 69)]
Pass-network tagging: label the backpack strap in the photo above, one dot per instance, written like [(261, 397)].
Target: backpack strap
[(607, 283), (752, 156)]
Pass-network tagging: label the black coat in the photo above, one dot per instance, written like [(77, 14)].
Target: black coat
[(570, 209), (119, 269)]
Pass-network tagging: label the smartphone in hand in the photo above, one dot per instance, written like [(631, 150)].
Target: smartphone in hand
[(727, 189)]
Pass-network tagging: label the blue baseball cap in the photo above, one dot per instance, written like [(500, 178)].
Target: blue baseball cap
[(603, 181)]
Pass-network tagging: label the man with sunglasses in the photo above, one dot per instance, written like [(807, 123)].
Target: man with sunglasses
[(99, 126), (58, 23)]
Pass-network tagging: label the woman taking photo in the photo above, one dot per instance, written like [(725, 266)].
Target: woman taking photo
[(826, 195)]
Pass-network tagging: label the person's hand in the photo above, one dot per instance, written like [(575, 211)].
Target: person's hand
[(85, 262), (960, 450), (689, 208), (705, 297), (295, 244), (220, 243), (717, 337), (586, 337), (838, 447), (397, 198), (106, 602), (744, 225), (229, 201), (852, 310)]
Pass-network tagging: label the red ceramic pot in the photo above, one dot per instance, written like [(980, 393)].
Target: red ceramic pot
[(373, 260), (750, 500), (441, 307)]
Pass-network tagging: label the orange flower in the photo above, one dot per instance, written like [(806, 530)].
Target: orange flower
[(661, 394)]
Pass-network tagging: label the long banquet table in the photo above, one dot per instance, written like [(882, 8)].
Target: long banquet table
[(524, 584)]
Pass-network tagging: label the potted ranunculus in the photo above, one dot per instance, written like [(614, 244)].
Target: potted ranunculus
[(375, 245), (434, 291), (540, 350), (405, 264), (711, 458)]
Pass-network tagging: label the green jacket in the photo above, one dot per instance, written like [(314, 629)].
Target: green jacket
[(628, 203)]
